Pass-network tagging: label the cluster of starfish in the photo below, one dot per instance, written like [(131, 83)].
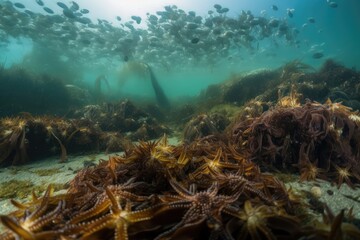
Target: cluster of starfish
[(208, 189), (320, 140)]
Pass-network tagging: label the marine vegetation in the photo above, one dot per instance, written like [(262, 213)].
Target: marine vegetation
[(23, 189), (294, 69), (27, 138), (205, 190), (107, 127), (100, 81), (333, 81), (204, 125), (241, 88), (123, 117)]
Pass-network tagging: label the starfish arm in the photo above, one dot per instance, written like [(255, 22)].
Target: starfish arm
[(15, 227), (96, 210)]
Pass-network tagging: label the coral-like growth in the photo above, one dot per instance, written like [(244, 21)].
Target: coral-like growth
[(321, 140), (108, 127), (123, 117), (28, 138), (204, 125), (13, 143), (261, 222)]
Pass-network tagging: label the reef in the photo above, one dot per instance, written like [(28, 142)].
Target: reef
[(27, 138), (333, 81), (123, 117), (108, 127), (204, 125)]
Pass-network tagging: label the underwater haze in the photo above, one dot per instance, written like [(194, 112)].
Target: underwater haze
[(179, 119), (188, 44)]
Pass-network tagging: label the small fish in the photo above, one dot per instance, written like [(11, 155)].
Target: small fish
[(311, 20), (68, 13), (217, 6), (333, 4), (74, 7), (136, 19), (39, 2), (290, 12), (128, 25), (19, 5), (192, 26), (62, 5), (30, 13), (195, 40), (153, 18), (48, 10), (84, 11), (83, 20), (223, 10), (274, 7), (317, 55), (118, 18), (168, 8), (192, 13)]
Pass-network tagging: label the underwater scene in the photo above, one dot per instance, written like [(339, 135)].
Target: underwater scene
[(179, 119)]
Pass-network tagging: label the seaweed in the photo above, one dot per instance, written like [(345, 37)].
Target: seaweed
[(47, 172), (16, 189), (161, 98)]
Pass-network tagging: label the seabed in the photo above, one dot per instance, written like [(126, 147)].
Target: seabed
[(38, 175)]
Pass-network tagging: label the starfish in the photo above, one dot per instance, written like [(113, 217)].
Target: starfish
[(32, 224), (117, 218), (214, 165), (259, 221), (103, 202), (201, 206)]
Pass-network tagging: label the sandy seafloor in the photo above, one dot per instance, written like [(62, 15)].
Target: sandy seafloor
[(336, 198)]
